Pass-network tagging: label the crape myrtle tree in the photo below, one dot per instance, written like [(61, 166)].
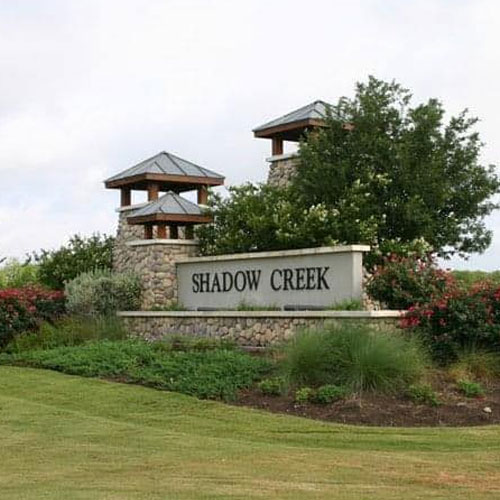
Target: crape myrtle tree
[(405, 170), (381, 172)]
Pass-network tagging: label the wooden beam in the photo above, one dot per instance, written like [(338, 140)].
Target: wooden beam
[(277, 148), (174, 232), (162, 232), (141, 181), (288, 127), (181, 219), (125, 196), (153, 190), (148, 232), (202, 195)]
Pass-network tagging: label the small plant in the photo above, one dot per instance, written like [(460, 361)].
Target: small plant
[(173, 306), (348, 305), (423, 394), (304, 395), (471, 389), (243, 306), (481, 365), (274, 386), (327, 394)]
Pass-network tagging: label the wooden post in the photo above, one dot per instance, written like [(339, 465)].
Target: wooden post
[(277, 148), (202, 195), (189, 232), (162, 232), (174, 232), (125, 200), (153, 190), (148, 232)]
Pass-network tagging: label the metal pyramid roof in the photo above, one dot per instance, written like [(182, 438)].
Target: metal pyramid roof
[(317, 110), (166, 164), (168, 204)]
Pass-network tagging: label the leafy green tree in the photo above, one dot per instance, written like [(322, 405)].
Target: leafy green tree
[(402, 169), (80, 255)]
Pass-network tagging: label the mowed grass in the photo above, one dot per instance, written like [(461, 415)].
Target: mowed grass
[(65, 437)]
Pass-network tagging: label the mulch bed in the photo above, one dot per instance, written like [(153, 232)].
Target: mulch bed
[(456, 410)]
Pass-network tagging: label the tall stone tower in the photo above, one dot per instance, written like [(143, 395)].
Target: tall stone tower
[(290, 127), (152, 236)]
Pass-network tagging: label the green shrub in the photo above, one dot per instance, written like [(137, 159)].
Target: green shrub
[(80, 255), (471, 278), (355, 357), (14, 274), (401, 282), (471, 389), (482, 365), (214, 374), (274, 386), (69, 331), (458, 321), (304, 395), (103, 293), (327, 394), (423, 394), (189, 343), (348, 305)]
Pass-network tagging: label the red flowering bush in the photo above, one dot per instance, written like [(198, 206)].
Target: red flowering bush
[(458, 319), (23, 309), (401, 282)]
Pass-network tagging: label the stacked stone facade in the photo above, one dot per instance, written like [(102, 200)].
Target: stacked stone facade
[(282, 170)]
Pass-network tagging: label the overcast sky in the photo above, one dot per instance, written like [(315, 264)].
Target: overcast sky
[(89, 88)]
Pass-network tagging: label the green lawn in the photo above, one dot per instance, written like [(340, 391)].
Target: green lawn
[(65, 437)]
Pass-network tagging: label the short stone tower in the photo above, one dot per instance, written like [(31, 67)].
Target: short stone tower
[(152, 236), (290, 127)]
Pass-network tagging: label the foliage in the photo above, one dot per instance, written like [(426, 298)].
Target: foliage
[(471, 278), (399, 171), (347, 305), (471, 389), (304, 395), (69, 331), (214, 374), (25, 309), (459, 320), (401, 282), (262, 218), (102, 292), (275, 386), (79, 255), (355, 357), (423, 394), (327, 394), (481, 365), (14, 274)]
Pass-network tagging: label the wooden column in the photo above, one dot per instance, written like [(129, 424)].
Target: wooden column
[(277, 148), (202, 195), (174, 232), (162, 232), (148, 232), (189, 232), (153, 190), (126, 198)]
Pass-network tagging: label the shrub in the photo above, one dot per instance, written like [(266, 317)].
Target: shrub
[(401, 282), (14, 274), (457, 321), (471, 389), (103, 293), (470, 278), (482, 365), (274, 386), (304, 395), (214, 374), (348, 305), (327, 394), (25, 309), (423, 394), (69, 331), (355, 357), (80, 255)]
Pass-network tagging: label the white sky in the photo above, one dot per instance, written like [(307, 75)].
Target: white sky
[(91, 87)]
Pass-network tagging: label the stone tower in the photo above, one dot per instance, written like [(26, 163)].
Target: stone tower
[(290, 127)]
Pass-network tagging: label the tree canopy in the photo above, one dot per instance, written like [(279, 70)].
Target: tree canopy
[(381, 172)]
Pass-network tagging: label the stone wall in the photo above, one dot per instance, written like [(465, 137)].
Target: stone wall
[(248, 328), (282, 169)]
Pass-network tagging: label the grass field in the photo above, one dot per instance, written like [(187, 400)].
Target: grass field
[(65, 437)]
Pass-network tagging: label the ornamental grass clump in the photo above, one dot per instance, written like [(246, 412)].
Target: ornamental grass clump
[(355, 357)]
